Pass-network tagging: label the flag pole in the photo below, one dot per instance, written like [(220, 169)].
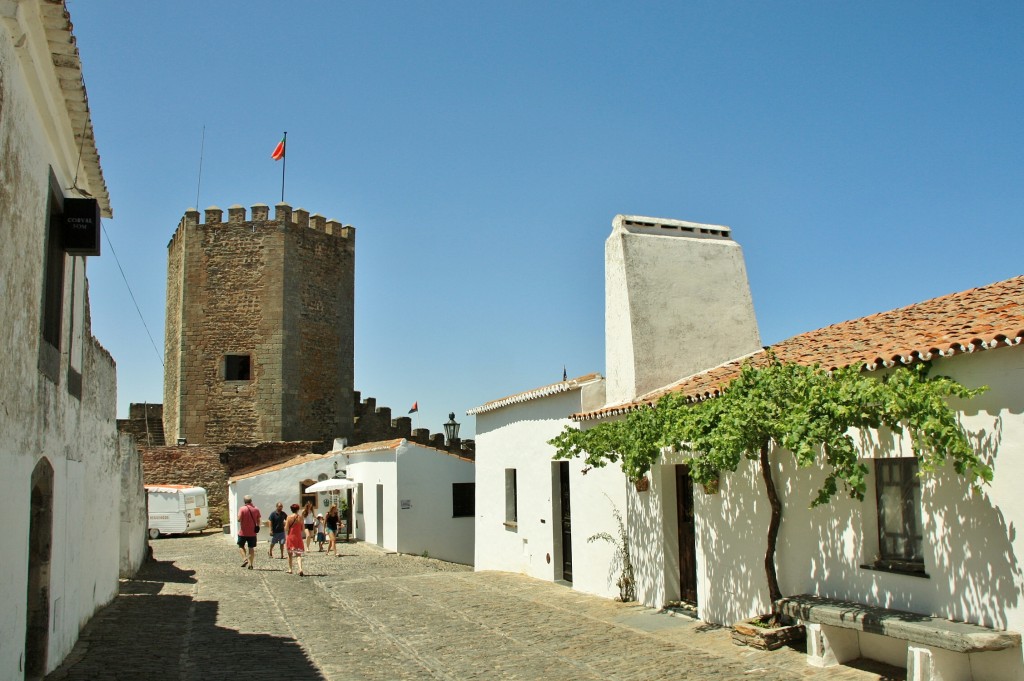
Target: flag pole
[(284, 164), (199, 182)]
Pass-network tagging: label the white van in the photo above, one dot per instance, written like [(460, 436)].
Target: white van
[(175, 509)]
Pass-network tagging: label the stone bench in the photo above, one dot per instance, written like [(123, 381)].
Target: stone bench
[(937, 649)]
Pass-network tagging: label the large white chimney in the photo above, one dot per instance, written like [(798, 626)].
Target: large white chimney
[(677, 302)]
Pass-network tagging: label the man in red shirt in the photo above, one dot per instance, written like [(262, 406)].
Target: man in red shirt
[(248, 527)]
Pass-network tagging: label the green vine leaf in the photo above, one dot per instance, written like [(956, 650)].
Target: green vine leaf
[(804, 410)]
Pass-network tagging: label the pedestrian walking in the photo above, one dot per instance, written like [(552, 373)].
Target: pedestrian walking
[(309, 521), (321, 531), (296, 547), (277, 518), (248, 528), (332, 520)]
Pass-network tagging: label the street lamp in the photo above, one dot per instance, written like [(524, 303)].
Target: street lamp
[(451, 428)]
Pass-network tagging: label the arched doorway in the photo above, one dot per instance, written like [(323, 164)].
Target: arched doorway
[(40, 531), (304, 497)]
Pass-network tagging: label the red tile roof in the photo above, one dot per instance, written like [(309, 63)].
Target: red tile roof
[(369, 447), (169, 488), (260, 469), (977, 319), (374, 446), (364, 448)]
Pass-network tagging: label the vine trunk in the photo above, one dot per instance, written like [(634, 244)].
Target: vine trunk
[(774, 593)]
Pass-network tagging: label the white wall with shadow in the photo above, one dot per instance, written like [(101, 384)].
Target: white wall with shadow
[(972, 551)]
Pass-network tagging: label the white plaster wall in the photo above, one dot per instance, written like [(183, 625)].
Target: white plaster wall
[(674, 305), (516, 437), (281, 485), (39, 418), (133, 515), (425, 478), (372, 469), (731, 527), (654, 535), (79, 440), (95, 504), (597, 564), (23, 182), (972, 549)]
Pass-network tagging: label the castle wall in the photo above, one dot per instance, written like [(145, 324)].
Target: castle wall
[(210, 466), (145, 423)]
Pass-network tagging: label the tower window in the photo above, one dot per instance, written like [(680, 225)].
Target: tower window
[(237, 368)]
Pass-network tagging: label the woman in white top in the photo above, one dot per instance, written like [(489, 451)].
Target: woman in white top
[(309, 521)]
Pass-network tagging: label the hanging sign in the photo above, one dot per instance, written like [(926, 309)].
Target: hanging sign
[(81, 226)]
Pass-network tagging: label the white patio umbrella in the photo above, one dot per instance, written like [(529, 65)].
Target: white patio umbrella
[(331, 485)]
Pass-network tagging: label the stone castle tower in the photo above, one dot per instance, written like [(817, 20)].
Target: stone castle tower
[(259, 331)]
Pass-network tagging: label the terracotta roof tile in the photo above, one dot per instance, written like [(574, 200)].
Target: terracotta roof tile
[(977, 319), (363, 448), (260, 469), (368, 447), (374, 446)]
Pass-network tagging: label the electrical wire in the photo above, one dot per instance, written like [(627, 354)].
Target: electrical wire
[(128, 286)]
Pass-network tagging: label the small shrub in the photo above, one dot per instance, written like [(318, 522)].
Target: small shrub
[(626, 584)]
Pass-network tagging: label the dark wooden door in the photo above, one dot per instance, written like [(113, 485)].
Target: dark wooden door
[(687, 536), (566, 516), (310, 498)]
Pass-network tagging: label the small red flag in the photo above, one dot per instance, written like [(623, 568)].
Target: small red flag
[(278, 152), (415, 407)]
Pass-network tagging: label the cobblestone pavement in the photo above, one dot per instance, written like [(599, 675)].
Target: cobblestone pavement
[(193, 614)]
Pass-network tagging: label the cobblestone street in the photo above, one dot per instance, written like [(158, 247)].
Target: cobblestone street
[(193, 613)]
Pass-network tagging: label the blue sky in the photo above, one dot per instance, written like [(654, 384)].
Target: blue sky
[(867, 155)]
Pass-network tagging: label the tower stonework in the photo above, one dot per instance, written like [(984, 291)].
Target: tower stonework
[(259, 329)]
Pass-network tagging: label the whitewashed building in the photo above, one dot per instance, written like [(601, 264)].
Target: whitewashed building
[(952, 554), (535, 515), (676, 300), (679, 318), (408, 497), (71, 492), (285, 482), (414, 499)]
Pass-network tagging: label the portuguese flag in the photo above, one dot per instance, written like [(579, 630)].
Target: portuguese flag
[(278, 152)]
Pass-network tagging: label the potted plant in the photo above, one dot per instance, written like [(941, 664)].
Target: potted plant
[(766, 632)]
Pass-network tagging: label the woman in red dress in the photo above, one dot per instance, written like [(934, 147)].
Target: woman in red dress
[(293, 538)]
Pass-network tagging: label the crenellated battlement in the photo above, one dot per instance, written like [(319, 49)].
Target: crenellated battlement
[(374, 424), (284, 214)]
